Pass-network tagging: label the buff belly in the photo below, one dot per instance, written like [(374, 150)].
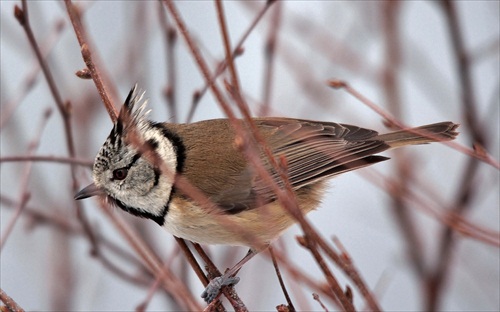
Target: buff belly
[(253, 228)]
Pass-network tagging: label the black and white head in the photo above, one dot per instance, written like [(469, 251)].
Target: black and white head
[(136, 166)]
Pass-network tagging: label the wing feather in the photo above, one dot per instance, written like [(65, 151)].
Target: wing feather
[(313, 151), (316, 151)]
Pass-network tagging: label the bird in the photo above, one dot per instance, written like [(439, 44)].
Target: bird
[(140, 165)]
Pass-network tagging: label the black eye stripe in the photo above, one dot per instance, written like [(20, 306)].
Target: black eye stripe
[(157, 176), (134, 160)]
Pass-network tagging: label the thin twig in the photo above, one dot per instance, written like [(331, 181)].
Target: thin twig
[(483, 156), (25, 179), (404, 173), (311, 237), (152, 290), (9, 302), (170, 44), (40, 216), (302, 278), (270, 58), (465, 190), (171, 283), (30, 79), (222, 67), (291, 307), (318, 299), (64, 109), (195, 265), (90, 59), (457, 222), (48, 158), (227, 46)]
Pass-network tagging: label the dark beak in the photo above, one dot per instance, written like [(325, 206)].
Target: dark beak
[(89, 191)]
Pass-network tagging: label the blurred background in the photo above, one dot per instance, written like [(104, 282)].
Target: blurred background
[(436, 247)]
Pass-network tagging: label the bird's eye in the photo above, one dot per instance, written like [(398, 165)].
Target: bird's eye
[(120, 174)]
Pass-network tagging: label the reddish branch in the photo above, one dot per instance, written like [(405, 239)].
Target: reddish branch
[(30, 79), (228, 291), (25, 179), (318, 247), (53, 159), (270, 58), (404, 173), (285, 197), (170, 44), (9, 302), (394, 122), (38, 216), (290, 306), (90, 61), (64, 109), (466, 189), (169, 281), (238, 50)]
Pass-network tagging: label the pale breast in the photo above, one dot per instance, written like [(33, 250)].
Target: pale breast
[(253, 228)]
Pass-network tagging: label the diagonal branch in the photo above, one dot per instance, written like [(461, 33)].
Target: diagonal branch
[(90, 61)]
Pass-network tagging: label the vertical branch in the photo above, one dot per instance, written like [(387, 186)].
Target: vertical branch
[(64, 109), (311, 239), (403, 174), (201, 62), (238, 49), (270, 55), (227, 46), (466, 188), (290, 307), (464, 73), (170, 43)]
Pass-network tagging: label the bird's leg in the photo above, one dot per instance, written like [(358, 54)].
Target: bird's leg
[(213, 288)]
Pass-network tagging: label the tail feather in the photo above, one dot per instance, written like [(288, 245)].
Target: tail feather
[(443, 131)]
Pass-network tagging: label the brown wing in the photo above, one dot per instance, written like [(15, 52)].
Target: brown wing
[(316, 151), (313, 152)]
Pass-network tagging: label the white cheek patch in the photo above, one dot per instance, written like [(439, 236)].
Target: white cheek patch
[(155, 201)]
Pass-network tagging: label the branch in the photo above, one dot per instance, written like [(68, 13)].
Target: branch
[(48, 158), (481, 154), (9, 302), (64, 109), (88, 58), (24, 194)]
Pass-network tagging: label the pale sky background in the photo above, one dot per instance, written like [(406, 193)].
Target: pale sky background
[(354, 210)]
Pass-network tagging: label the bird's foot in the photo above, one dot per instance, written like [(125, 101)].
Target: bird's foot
[(213, 288)]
